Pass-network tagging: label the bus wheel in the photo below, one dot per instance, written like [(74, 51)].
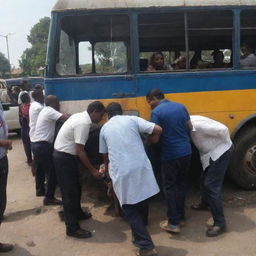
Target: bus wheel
[(243, 162)]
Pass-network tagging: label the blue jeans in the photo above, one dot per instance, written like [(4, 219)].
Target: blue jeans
[(174, 174), (211, 185), (137, 217)]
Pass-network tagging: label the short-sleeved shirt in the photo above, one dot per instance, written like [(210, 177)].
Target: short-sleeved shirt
[(249, 61), (34, 111), (3, 132), (130, 169), (74, 131), (45, 125), (173, 117)]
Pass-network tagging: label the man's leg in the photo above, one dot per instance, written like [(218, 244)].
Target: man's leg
[(68, 179), (142, 237), (213, 182), (3, 184), (169, 175), (39, 172), (182, 179), (26, 142), (51, 179)]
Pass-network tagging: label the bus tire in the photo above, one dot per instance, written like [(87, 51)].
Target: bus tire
[(243, 161)]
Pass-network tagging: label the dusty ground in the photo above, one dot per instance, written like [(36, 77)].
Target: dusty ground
[(36, 230)]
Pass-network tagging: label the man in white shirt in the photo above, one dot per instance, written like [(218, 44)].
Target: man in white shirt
[(213, 141), (130, 169), (43, 148), (35, 107), (69, 145), (248, 58)]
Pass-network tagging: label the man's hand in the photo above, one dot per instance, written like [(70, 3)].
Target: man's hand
[(6, 144), (95, 173)]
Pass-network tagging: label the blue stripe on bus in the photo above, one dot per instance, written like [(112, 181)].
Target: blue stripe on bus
[(105, 87)]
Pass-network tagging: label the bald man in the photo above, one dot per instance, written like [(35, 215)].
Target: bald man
[(42, 147)]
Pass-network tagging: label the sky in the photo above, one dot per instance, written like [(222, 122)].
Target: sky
[(17, 17)]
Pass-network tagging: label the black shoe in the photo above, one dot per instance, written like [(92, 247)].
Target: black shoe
[(39, 193), (80, 233), (6, 247), (199, 207), (215, 231), (52, 201), (84, 215)]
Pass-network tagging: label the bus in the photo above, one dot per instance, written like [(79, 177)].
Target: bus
[(100, 50)]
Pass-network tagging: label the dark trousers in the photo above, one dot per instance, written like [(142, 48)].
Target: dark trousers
[(66, 167), (3, 184), (137, 217), (26, 140), (174, 174), (44, 169), (211, 184)]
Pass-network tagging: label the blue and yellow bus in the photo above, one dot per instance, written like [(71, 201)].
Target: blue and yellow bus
[(100, 50)]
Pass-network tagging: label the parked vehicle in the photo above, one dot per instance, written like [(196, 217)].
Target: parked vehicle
[(100, 50), (11, 112)]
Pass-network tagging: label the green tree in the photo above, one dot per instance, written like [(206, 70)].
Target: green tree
[(4, 65), (34, 57)]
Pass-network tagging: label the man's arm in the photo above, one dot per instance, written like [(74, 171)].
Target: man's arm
[(106, 161), (155, 136), (85, 160), (190, 126)]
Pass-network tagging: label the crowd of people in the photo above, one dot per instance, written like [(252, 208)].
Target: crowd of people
[(57, 155)]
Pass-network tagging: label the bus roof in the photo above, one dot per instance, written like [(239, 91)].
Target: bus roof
[(65, 5)]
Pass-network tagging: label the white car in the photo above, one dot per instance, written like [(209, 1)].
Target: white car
[(11, 112)]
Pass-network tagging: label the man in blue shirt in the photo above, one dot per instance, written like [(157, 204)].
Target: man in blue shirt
[(175, 154)]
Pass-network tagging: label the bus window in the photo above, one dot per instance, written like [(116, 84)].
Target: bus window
[(111, 57), (66, 64), (85, 57), (94, 44), (210, 33), (162, 32), (248, 39)]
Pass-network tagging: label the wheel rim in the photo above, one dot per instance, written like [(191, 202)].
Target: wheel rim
[(250, 160)]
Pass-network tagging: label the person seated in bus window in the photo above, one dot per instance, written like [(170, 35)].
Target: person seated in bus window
[(157, 63), (180, 63), (195, 59), (248, 58), (218, 58)]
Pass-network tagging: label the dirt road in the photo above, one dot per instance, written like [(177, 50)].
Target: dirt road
[(37, 231)]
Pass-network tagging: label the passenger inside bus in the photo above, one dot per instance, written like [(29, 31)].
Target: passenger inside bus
[(180, 63), (157, 63), (248, 58)]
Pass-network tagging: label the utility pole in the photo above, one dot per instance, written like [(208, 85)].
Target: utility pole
[(7, 45)]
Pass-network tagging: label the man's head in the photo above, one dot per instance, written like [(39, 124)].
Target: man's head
[(52, 101), (114, 109), (25, 86), (245, 50), (39, 86), (154, 97), (218, 56), (38, 96), (25, 98), (96, 110)]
